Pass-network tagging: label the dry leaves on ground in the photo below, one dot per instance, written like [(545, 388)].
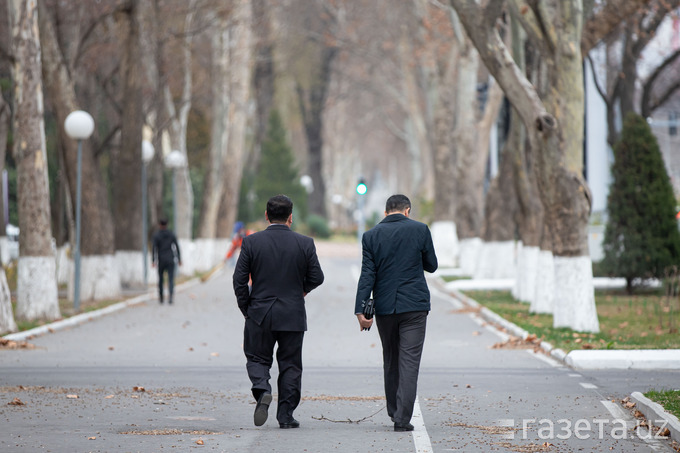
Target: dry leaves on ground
[(11, 344), (530, 342), (16, 402)]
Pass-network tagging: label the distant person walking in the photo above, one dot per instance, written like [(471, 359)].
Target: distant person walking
[(395, 254), (284, 268), (165, 254)]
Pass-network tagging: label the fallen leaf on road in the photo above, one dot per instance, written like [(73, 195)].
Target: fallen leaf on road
[(91, 438), (199, 442), (16, 402), (468, 386), (638, 414), (138, 389), (11, 344), (629, 405), (108, 397), (664, 432), (214, 354), (72, 397), (111, 348), (476, 333)]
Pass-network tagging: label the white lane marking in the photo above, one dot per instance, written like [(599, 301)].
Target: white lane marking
[(549, 360), (587, 385), (421, 439)]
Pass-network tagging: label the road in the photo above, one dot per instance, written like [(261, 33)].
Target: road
[(172, 378)]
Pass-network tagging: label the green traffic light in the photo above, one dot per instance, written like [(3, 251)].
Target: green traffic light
[(361, 188)]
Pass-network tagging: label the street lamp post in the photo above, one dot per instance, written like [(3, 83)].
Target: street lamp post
[(79, 125), (147, 155), (174, 160)]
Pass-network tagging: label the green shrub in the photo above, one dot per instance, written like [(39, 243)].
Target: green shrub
[(318, 227), (641, 238)]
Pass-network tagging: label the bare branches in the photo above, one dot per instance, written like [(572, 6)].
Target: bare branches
[(607, 19)]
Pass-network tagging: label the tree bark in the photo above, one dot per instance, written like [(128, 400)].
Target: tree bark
[(37, 284), (239, 83), (312, 101), (126, 162), (214, 178), (7, 323), (96, 216), (179, 119), (564, 193)]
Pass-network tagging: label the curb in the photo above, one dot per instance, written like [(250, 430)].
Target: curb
[(514, 329), (89, 316), (655, 413), (596, 359)]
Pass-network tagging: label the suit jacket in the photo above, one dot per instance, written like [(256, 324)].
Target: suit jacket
[(395, 254), (283, 266)]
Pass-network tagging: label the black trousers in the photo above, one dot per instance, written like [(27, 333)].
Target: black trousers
[(169, 267), (258, 346), (402, 336)]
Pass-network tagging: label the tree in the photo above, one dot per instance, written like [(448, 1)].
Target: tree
[(277, 173), (126, 162), (37, 284), (641, 238), (552, 113), (97, 245), (231, 48)]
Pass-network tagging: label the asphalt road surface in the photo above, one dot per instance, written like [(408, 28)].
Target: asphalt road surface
[(155, 378)]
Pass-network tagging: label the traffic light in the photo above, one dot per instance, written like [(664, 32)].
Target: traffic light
[(362, 188)]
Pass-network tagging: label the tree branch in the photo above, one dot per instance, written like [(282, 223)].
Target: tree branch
[(607, 19)]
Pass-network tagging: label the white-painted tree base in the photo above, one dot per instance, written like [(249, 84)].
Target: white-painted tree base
[(37, 296), (514, 292), (7, 323), (64, 265), (130, 268), (469, 254), (99, 278), (496, 260), (574, 294), (544, 291), (445, 240), (527, 268)]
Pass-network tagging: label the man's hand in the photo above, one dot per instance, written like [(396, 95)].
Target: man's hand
[(364, 323)]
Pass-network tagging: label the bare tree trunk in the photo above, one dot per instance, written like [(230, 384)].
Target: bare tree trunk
[(178, 137), (564, 193), (312, 103), (7, 323), (239, 82), (37, 283), (214, 178), (100, 278), (418, 144), (263, 76), (127, 161)]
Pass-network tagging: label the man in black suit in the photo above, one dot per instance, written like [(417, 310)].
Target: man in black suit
[(395, 254), (284, 267)]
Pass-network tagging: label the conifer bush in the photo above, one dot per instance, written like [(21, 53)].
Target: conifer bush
[(641, 237)]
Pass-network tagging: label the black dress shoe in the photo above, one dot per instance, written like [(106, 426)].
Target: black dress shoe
[(262, 409), (402, 427), (291, 424)]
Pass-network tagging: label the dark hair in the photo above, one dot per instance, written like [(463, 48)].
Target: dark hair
[(163, 221), (397, 203), (279, 208)]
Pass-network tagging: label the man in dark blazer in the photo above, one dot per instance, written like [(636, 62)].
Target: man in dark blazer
[(284, 267), (395, 254)]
